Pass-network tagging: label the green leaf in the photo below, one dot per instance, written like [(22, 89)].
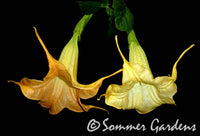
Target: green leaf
[(105, 3), (123, 16), (89, 7)]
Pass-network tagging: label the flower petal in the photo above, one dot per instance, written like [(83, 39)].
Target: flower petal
[(54, 94), (166, 89), (55, 67), (140, 96), (90, 90)]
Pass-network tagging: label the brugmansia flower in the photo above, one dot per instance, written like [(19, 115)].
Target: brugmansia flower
[(139, 89), (59, 88)]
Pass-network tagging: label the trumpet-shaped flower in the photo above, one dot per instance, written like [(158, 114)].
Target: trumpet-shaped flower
[(139, 89), (59, 89)]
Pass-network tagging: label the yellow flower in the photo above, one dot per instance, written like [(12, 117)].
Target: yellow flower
[(139, 89), (59, 88)]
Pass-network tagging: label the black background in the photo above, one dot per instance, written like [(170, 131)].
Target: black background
[(163, 28)]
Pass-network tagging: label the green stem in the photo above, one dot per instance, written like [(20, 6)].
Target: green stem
[(81, 25), (132, 40)]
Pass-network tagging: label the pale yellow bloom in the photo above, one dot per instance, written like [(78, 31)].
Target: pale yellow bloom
[(59, 89), (139, 89)]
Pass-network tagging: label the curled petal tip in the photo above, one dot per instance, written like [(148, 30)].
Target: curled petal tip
[(86, 108), (35, 29), (11, 81), (116, 40), (174, 70), (98, 99)]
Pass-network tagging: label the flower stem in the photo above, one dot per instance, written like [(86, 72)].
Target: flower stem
[(132, 40), (81, 25)]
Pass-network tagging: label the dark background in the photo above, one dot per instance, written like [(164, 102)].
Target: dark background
[(163, 28)]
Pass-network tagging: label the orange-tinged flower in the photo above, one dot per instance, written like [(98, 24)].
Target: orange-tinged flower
[(59, 89)]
